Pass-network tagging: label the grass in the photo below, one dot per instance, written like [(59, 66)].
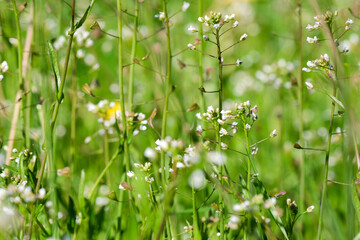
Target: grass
[(174, 120)]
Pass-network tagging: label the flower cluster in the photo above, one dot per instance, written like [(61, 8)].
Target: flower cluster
[(322, 63), (228, 120), (277, 73), (321, 20), (110, 112), (216, 20), (4, 67), (252, 207)]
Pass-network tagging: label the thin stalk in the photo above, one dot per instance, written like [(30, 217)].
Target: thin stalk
[(51, 151), (164, 120), (168, 74), (300, 109), (201, 58), (218, 137), (167, 89), (122, 105), (327, 156), (21, 79), (73, 110), (133, 52), (106, 155), (97, 182), (196, 230)]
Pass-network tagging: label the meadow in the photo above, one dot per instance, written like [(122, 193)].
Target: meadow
[(164, 119)]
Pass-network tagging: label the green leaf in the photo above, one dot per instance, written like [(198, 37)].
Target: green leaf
[(81, 197), (55, 67), (356, 201), (337, 101), (11, 168), (84, 17)]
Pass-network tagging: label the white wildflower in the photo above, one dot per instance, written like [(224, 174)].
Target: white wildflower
[(243, 37), (197, 179)]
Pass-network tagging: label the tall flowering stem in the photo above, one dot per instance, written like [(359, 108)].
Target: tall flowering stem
[(201, 56), (168, 77), (218, 137), (133, 52), (122, 106), (25, 131), (300, 98)]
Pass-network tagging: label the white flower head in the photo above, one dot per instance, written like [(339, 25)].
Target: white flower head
[(309, 85), (130, 174), (273, 133), (191, 46), (223, 132), (217, 158), (310, 209), (150, 153), (243, 37), (192, 29), (197, 179), (185, 6)]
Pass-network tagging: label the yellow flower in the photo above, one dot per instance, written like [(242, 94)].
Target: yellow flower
[(111, 111)]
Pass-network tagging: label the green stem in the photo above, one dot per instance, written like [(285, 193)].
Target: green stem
[(133, 52), (201, 57), (327, 156), (122, 105), (300, 109), (218, 137), (25, 131), (106, 155), (97, 182), (196, 230), (73, 110), (168, 73)]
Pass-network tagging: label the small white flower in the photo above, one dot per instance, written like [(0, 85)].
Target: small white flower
[(312, 40), (311, 64), (254, 150), (4, 66), (309, 85), (192, 29), (201, 19), (160, 16), (216, 26), (121, 187), (247, 127), (221, 122), (191, 46), (197, 179), (198, 115), (326, 57), (150, 153), (306, 69), (142, 127), (130, 174), (238, 62), (349, 22), (223, 132), (210, 109), (217, 158), (199, 128), (42, 193), (270, 203), (224, 146), (273, 133), (310, 209), (235, 24), (309, 27), (243, 37), (185, 6)]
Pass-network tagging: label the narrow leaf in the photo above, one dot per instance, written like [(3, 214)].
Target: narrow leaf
[(54, 66), (84, 17), (337, 101)]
